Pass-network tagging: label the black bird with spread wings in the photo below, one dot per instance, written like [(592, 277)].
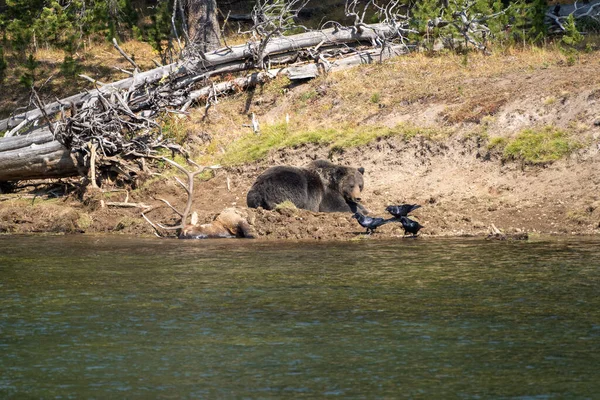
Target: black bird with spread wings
[(370, 223), (402, 210)]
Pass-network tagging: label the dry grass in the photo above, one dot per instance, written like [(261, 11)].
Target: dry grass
[(341, 109), (95, 60), (368, 97)]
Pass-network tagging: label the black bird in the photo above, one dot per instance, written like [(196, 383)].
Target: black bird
[(402, 210), (369, 222), (410, 226)]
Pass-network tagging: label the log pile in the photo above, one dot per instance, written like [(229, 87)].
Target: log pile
[(118, 121)]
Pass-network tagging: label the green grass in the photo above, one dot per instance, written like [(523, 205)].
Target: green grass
[(534, 146), (497, 143), (287, 205), (540, 146), (278, 136)]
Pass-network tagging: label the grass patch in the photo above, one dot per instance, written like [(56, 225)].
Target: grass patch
[(285, 204), (476, 110), (174, 127), (579, 217), (540, 146), (497, 143), (278, 136), (84, 221), (308, 95)]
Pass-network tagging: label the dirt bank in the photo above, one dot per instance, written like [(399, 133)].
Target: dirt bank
[(464, 183), (462, 188)]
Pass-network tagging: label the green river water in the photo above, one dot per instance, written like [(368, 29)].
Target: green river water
[(126, 318)]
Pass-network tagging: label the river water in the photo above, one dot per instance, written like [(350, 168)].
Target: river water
[(113, 317)]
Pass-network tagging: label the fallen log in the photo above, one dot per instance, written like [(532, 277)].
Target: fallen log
[(38, 161), (38, 155), (198, 66), (299, 72), (35, 138)]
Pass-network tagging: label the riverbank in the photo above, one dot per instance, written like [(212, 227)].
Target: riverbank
[(509, 140), (462, 192)]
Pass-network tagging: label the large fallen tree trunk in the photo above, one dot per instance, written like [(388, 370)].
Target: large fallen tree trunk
[(300, 72), (201, 67), (43, 135), (49, 159), (39, 155)]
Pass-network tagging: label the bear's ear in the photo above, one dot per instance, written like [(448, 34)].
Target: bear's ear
[(361, 170)]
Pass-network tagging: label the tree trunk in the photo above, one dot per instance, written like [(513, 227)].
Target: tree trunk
[(36, 160), (213, 59), (203, 24)]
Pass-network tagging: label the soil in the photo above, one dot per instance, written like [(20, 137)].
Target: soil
[(464, 187)]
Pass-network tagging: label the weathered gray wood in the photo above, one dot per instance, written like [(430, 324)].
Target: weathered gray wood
[(301, 72), (238, 83), (38, 155), (310, 71), (18, 142), (37, 161), (306, 71), (213, 59), (366, 57)]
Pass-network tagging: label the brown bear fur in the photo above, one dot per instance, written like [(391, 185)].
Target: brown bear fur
[(231, 222), (320, 186)]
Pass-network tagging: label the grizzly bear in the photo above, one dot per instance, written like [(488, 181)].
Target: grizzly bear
[(320, 186)]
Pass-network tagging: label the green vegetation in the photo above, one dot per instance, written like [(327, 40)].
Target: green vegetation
[(572, 36), (278, 136), (497, 143), (3, 65), (309, 95), (286, 205), (52, 23), (28, 77), (570, 41), (536, 146), (173, 127), (428, 19), (84, 221)]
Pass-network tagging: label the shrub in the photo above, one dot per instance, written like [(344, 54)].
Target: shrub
[(28, 77), (3, 65)]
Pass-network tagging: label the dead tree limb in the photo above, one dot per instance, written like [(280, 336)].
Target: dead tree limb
[(272, 19), (214, 59), (20, 142), (559, 14), (125, 56), (188, 186)]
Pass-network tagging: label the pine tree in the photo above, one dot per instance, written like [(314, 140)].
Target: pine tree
[(3, 65)]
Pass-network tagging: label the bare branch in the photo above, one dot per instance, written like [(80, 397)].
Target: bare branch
[(579, 12), (272, 18), (188, 187), (116, 45)]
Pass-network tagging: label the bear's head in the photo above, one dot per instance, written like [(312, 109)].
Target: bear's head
[(350, 182), (347, 181)]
